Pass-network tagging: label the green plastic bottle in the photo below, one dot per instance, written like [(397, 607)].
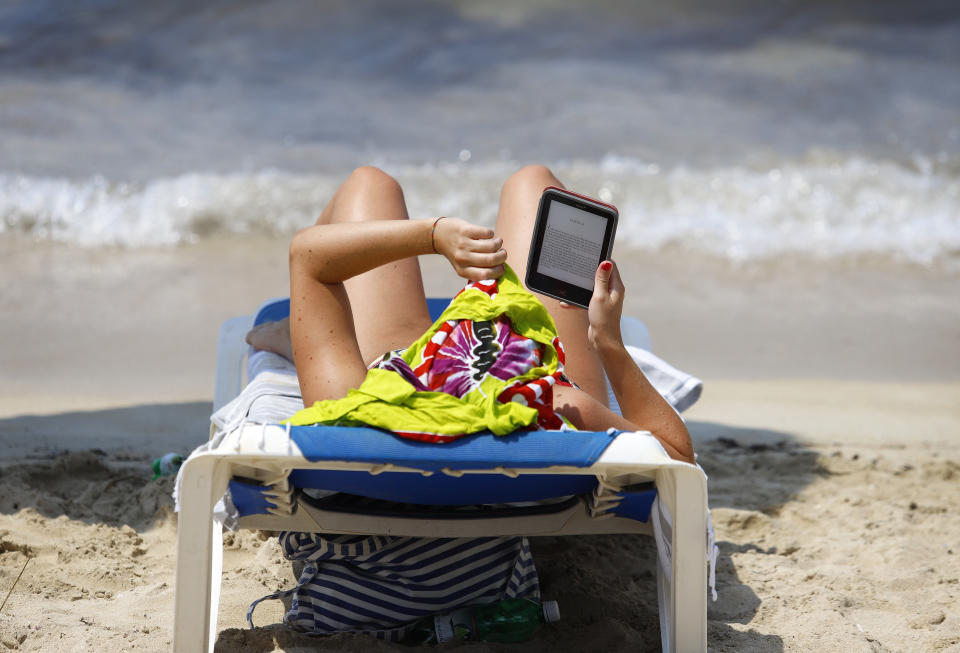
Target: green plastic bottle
[(509, 620), (166, 465)]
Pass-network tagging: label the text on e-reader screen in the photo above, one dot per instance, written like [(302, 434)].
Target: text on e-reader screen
[(571, 245)]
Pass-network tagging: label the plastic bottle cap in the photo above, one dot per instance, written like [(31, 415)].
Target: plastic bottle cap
[(551, 611)]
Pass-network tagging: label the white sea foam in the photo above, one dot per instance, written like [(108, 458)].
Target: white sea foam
[(167, 211), (818, 207)]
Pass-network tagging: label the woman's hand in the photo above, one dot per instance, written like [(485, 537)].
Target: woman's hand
[(606, 307), (474, 251)]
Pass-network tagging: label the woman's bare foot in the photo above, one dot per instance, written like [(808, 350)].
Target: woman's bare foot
[(272, 336)]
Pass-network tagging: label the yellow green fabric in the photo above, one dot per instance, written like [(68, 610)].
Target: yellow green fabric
[(386, 400)]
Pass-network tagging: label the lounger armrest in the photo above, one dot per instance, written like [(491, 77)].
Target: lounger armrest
[(231, 348)]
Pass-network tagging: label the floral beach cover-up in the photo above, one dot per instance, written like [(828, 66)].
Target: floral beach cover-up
[(489, 362)]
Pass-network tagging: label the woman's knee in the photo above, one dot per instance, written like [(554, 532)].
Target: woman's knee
[(372, 179), (531, 177), (367, 194), (519, 198)]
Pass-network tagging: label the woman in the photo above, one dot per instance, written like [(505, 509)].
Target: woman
[(356, 292)]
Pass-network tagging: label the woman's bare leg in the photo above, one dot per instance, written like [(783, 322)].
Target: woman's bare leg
[(388, 303), (387, 308), (338, 328), (519, 200)]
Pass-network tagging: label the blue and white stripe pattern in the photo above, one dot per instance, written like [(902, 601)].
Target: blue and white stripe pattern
[(377, 584)]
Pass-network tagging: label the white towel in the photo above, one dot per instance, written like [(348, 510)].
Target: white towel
[(680, 389), (271, 396)]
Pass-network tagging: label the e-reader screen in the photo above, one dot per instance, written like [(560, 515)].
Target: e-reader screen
[(572, 245)]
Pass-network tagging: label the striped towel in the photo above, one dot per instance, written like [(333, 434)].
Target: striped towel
[(378, 584)]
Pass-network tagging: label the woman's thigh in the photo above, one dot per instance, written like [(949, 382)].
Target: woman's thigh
[(519, 200), (387, 303)]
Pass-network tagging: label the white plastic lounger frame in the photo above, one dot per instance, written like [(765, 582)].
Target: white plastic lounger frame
[(266, 453)]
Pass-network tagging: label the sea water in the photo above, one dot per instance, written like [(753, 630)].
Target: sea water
[(746, 131)]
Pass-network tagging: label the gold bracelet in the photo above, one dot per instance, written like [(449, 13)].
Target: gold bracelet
[(432, 230)]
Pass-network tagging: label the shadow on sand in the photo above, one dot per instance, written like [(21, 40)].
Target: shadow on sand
[(752, 474), (95, 466)]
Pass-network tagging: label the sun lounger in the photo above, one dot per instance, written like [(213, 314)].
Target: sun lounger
[(553, 482)]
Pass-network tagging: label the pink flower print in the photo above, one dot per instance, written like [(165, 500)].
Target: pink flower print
[(473, 350)]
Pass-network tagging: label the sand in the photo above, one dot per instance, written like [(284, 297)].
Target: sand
[(828, 427)]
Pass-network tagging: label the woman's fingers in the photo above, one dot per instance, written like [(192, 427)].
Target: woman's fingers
[(453, 234), (476, 232), (605, 306), (482, 259), (607, 281), (489, 245), (480, 274), (616, 281), (476, 252), (601, 280)]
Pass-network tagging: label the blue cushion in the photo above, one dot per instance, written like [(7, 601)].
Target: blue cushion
[(522, 449), (443, 490), (273, 312), (248, 497), (636, 505)]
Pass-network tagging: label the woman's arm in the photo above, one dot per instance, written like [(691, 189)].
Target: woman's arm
[(331, 253), (589, 414), (325, 348), (642, 406)]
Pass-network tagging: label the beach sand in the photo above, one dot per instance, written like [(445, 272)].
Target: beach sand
[(828, 427)]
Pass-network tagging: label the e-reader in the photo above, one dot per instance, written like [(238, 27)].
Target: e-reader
[(572, 235)]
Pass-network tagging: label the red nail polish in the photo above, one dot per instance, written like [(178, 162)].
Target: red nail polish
[(606, 266)]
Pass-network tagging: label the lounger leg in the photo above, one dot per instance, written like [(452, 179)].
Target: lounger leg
[(203, 482), (683, 596), (665, 610)]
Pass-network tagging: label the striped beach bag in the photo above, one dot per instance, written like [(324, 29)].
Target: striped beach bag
[(378, 584)]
